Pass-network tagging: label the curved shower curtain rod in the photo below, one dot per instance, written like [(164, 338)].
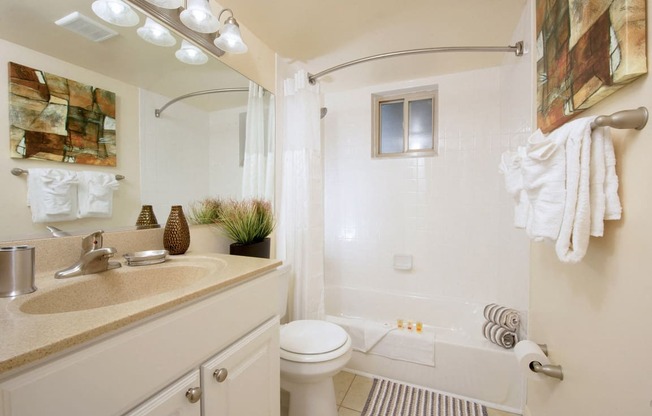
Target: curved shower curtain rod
[(517, 49), (158, 111)]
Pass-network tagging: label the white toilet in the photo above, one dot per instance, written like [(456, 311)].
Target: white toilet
[(312, 352)]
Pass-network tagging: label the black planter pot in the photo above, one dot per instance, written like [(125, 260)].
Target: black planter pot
[(260, 249)]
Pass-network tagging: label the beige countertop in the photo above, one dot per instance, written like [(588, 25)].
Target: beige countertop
[(26, 338)]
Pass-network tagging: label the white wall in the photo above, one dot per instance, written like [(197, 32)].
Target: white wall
[(596, 316), (16, 220), (450, 212)]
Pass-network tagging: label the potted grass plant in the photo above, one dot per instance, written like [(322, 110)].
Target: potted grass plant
[(206, 211), (248, 223)]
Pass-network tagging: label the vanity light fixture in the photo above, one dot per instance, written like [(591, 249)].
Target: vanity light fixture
[(229, 39), (115, 12), (198, 17), (167, 4), (156, 34), (190, 54)]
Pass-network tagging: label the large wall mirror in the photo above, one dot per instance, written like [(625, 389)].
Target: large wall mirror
[(192, 151)]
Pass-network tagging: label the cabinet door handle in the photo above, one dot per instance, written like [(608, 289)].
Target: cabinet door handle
[(220, 374), (193, 394)]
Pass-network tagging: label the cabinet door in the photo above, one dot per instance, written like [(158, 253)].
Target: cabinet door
[(179, 399), (244, 379)]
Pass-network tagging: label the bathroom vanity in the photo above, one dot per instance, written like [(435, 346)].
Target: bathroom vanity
[(206, 345)]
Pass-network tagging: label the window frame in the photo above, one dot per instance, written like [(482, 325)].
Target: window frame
[(406, 96)]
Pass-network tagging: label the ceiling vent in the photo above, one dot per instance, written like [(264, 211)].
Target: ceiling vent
[(88, 28)]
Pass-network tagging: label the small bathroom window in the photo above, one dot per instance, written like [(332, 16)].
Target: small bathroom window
[(405, 123)]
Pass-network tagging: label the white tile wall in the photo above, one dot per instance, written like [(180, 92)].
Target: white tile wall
[(449, 212), (202, 145), (174, 143)]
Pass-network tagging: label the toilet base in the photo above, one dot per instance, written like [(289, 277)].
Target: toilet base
[(311, 399)]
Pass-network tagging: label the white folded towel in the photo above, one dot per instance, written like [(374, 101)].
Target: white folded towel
[(574, 233), (597, 175), (544, 180), (96, 194), (52, 195), (384, 339), (613, 209)]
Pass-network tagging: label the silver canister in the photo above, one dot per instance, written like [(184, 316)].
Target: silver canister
[(16, 271)]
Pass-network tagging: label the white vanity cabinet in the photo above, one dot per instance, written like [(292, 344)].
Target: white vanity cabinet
[(148, 368), (182, 398), (236, 381)]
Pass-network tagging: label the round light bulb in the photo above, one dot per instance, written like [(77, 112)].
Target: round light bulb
[(190, 54), (156, 34), (115, 12)]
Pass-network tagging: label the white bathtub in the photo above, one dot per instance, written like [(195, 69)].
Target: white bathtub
[(466, 364)]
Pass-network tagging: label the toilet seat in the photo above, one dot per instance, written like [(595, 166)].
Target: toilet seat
[(313, 341)]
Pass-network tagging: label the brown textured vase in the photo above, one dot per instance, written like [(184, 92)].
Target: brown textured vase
[(146, 218), (176, 237)]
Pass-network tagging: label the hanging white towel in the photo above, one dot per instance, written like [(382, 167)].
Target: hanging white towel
[(574, 233), (613, 209), (510, 167), (597, 175), (96, 194), (52, 195), (544, 180)]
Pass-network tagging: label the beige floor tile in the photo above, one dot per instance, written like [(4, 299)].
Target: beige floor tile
[(342, 382), (357, 396), (343, 411)]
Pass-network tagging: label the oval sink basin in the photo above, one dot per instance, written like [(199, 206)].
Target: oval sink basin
[(114, 287)]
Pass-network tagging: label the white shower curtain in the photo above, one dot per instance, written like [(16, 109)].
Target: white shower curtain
[(302, 213), (257, 172)]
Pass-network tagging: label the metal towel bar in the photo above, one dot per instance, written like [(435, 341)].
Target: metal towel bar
[(19, 171), (626, 119)]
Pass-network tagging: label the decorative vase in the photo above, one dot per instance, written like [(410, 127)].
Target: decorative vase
[(260, 249), (176, 237), (146, 218)]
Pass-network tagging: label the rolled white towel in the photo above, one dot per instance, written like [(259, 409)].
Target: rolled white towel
[(499, 335), (506, 317)]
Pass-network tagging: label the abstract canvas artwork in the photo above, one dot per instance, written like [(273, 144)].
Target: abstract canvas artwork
[(586, 50), (58, 119)]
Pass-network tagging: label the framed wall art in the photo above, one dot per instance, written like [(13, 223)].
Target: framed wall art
[(58, 119), (586, 50)]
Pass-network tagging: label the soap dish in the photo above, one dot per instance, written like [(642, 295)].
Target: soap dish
[(145, 258)]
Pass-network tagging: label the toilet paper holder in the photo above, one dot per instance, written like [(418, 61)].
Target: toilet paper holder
[(548, 369)]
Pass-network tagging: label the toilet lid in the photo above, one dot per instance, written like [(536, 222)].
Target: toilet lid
[(312, 337)]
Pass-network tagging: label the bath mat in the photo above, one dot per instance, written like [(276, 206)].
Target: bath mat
[(388, 398)]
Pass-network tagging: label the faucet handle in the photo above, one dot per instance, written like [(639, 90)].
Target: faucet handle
[(92, 241)]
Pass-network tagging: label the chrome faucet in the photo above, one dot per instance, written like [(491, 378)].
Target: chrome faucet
[(94, 258)]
